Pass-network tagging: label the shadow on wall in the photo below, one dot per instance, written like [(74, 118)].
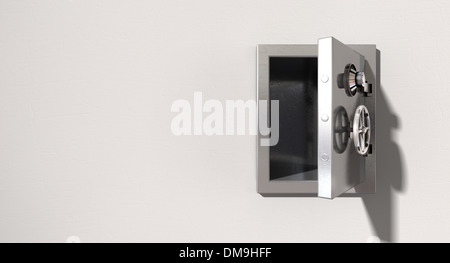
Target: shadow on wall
[(381, 207)]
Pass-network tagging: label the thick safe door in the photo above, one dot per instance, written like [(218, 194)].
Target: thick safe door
[(344, 126)]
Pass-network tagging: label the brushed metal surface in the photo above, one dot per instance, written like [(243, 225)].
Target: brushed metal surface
[(303, 184), (373, 76), (342, 169)]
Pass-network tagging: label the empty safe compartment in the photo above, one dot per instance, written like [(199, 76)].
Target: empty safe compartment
[(293, 82), (327, 107)]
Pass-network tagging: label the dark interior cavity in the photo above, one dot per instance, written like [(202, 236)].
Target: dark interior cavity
[(293, 82)]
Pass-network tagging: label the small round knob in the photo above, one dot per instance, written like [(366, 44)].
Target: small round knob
[(360, 79)]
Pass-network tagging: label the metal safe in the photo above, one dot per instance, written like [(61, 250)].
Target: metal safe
[(326, 97)]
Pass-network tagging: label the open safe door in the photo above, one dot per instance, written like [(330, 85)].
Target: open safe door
[(344, 121)]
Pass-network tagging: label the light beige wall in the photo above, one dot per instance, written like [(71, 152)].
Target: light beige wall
[(86, 149)]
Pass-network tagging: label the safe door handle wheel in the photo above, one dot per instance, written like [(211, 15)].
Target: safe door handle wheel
[(361, 130)]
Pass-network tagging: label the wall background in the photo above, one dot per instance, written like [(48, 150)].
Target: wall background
[(85, 142)]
